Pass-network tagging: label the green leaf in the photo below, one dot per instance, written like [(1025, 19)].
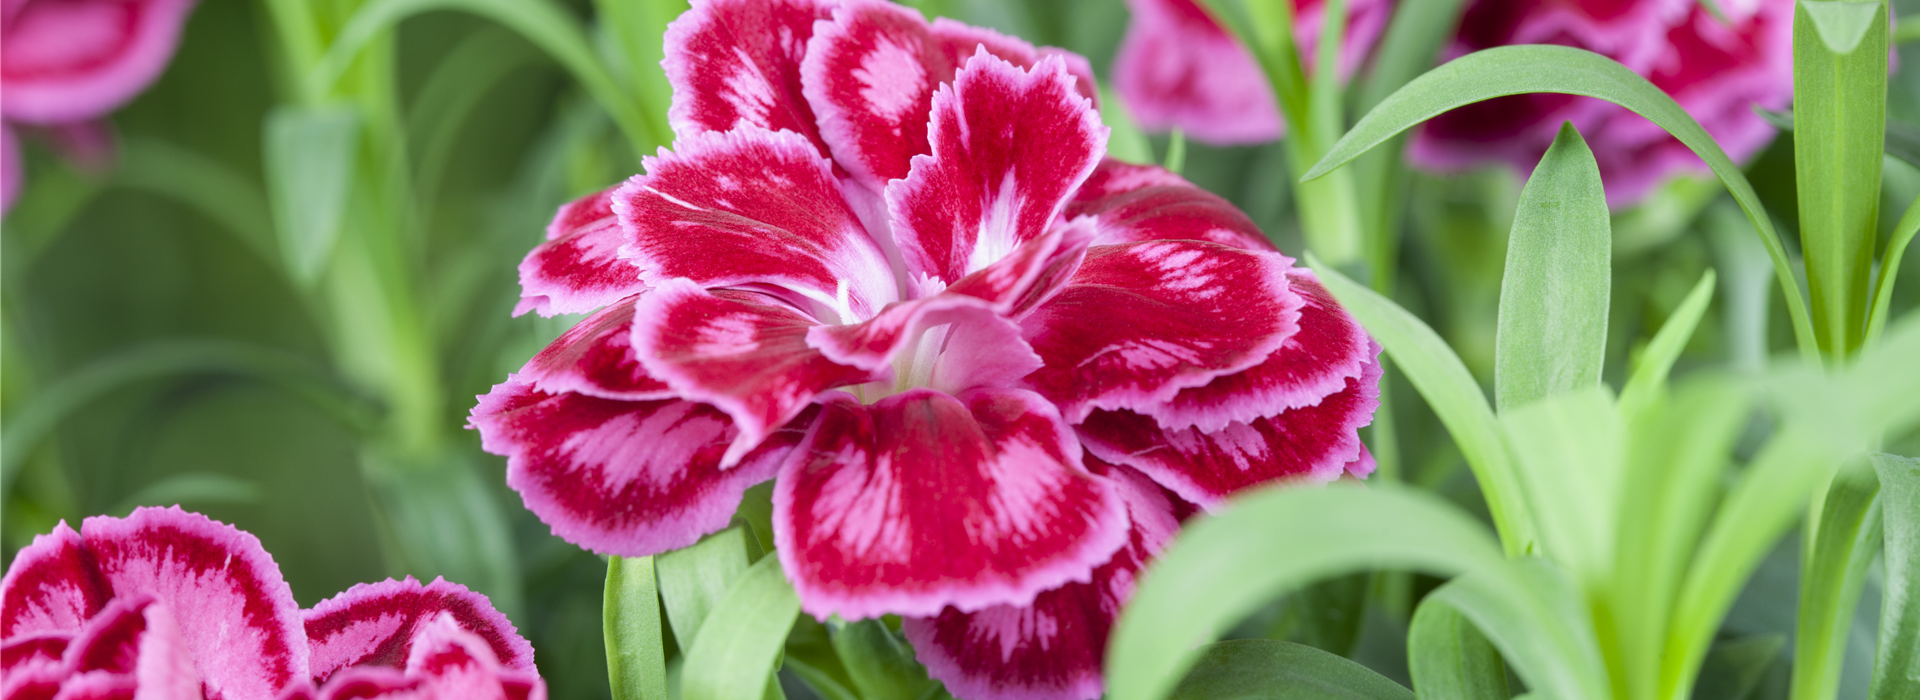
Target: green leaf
[(1650, 370), (694, 579), (1224, 567), (1844, 540), (1552, 335), (635, 28), (1735, 668), (1266, 669), (1514, 70), (191, 489), (1539, 622), (310, 154), (1125, 140), (1444, 381), (1890, 270), (1840, 118), (1896, 668), (1176, 152), (1450, 659), (630, 621), (447, 98), (736, 653), (205, 184), (1412, 44), (880, 663), (1569, 450)]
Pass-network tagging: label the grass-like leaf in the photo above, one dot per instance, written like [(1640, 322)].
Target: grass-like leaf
[(630, 623), (1650, 371), (1538, 620), (739, 644), (1552, 334), (1449, 657), (309, 155), (694, 579), (1890, 270), (1896, 670), (1267, 669), (1569, 451), (1845, 539), (880, 663)]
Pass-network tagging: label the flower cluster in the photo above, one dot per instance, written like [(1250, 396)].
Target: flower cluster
[(65, 63), (887, 264), (170, 605)]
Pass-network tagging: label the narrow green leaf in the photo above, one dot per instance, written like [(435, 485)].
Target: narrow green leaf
[(449, 95), (809, 654), (1224, 567), (880, 662), (1267, 669), (1176, 152), (191, 489), (1656, 361), (1450, 659), (735, 654), (1552, 335), (1447, 386), (1844, 540), (1411, 45), (630, 622), (634, 30), (310, 154), (1896, 668), (1906, 30), (1890, 269), (1735, 668), (1569, 451), (1840, 118), (694, 579), (205, 184), (1514, 70), (1539, 622)]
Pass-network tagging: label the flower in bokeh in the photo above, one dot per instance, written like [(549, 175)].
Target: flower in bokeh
[(1717, 71), (887, 265), (169, 604), (1178, 68), (65, 63)]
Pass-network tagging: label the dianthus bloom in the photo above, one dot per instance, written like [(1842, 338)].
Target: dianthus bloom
[(1178, 68), (1717, 71), (65, 63), (887, 265), (170, 605)]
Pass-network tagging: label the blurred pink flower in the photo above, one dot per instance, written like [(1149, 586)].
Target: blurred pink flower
[(65, 62), (1177, 68), (1716, 71)]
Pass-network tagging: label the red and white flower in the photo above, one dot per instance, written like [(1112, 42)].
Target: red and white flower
[(887, 265), (170, 605), (66, 63)]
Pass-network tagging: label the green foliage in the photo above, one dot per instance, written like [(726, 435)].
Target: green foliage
[(1449, 657), (636, 655), (739, 644), (1896, 671), (1265, 669)]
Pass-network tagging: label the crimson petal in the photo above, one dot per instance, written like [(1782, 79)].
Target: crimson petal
[(376, 623), (1132, 203), (578, 269), (735, 63), (52, 586), (595, 357), (71, 61)]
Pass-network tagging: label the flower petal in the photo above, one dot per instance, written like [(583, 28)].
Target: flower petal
[(735, 63), (460, 664), (741, 352), (52, 586), (1132, 203), (1314, 444), (1141, 321), (870, 76), (578, 269), (31, 666), (621, 477), (376, 623), (1315, 362), (595, 357), (1052, 648), (137, 639), (76, 60), (370, 682), (924, 500), (752, 206), (1176, 68), (1008, 148)]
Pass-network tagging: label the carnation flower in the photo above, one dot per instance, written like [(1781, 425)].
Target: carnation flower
[(887, 265)]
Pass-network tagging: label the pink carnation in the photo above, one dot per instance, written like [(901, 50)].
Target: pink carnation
[(887, 265)]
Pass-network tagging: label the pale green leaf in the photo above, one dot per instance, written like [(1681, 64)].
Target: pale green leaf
[(1896, 669), (1552, 333), (1569, 451), (880, 662), (630, 623), (1890, 269), (1450, 659), (1840, 119), (694, 579), (1656, 361), (1844, 540), (310, 154), (1539, 622), (1733, 669), (1842, 25), (191, 489), (1267, 669), (735, 654)]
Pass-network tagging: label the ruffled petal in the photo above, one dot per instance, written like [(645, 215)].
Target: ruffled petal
[(368, 683), (76, 60), (621, 477), (52, 586), (870, 76), (459, 664), (136, 641), (578, 269), (924, 500), (1139, 322), (31, 667), (741, 352), (1329, 349), (1051, 649), (1008, 148), (1132, 203), (1176, 68), (595, 357), (1314, 444), (751, 206), (735, 63), (375, 624)]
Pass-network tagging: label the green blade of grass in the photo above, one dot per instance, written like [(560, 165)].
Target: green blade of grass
[(1258, 668), (630, 623), (739, 645), (1845, 538), (1896, 669), (1449, 658)]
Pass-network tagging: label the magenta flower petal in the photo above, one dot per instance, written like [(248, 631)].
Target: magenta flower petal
[(1009, 147), (79, 59), (748, 207), (1141, 321), (375, 624), (579, 268), (1132, 203), (1052, 648), (736, 63), (445, 659), (52, 586), (924, 500), (134, 644), (595, 357), (1178, 69)]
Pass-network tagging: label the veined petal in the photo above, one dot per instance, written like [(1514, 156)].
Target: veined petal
[(455, 663), (76, 60), (924, 500), (735, 63), (1177, 68), (31, 667), (595, 357), (1131, 203), (1315, 362), (1008, 148), (628, 478), (136, 640), (1139, 322), (579, 268), (751, 206), (870, 75), (52, 586), (741, 352), (1051, 649), (371, 682), (375, 624), (1313, 444)]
